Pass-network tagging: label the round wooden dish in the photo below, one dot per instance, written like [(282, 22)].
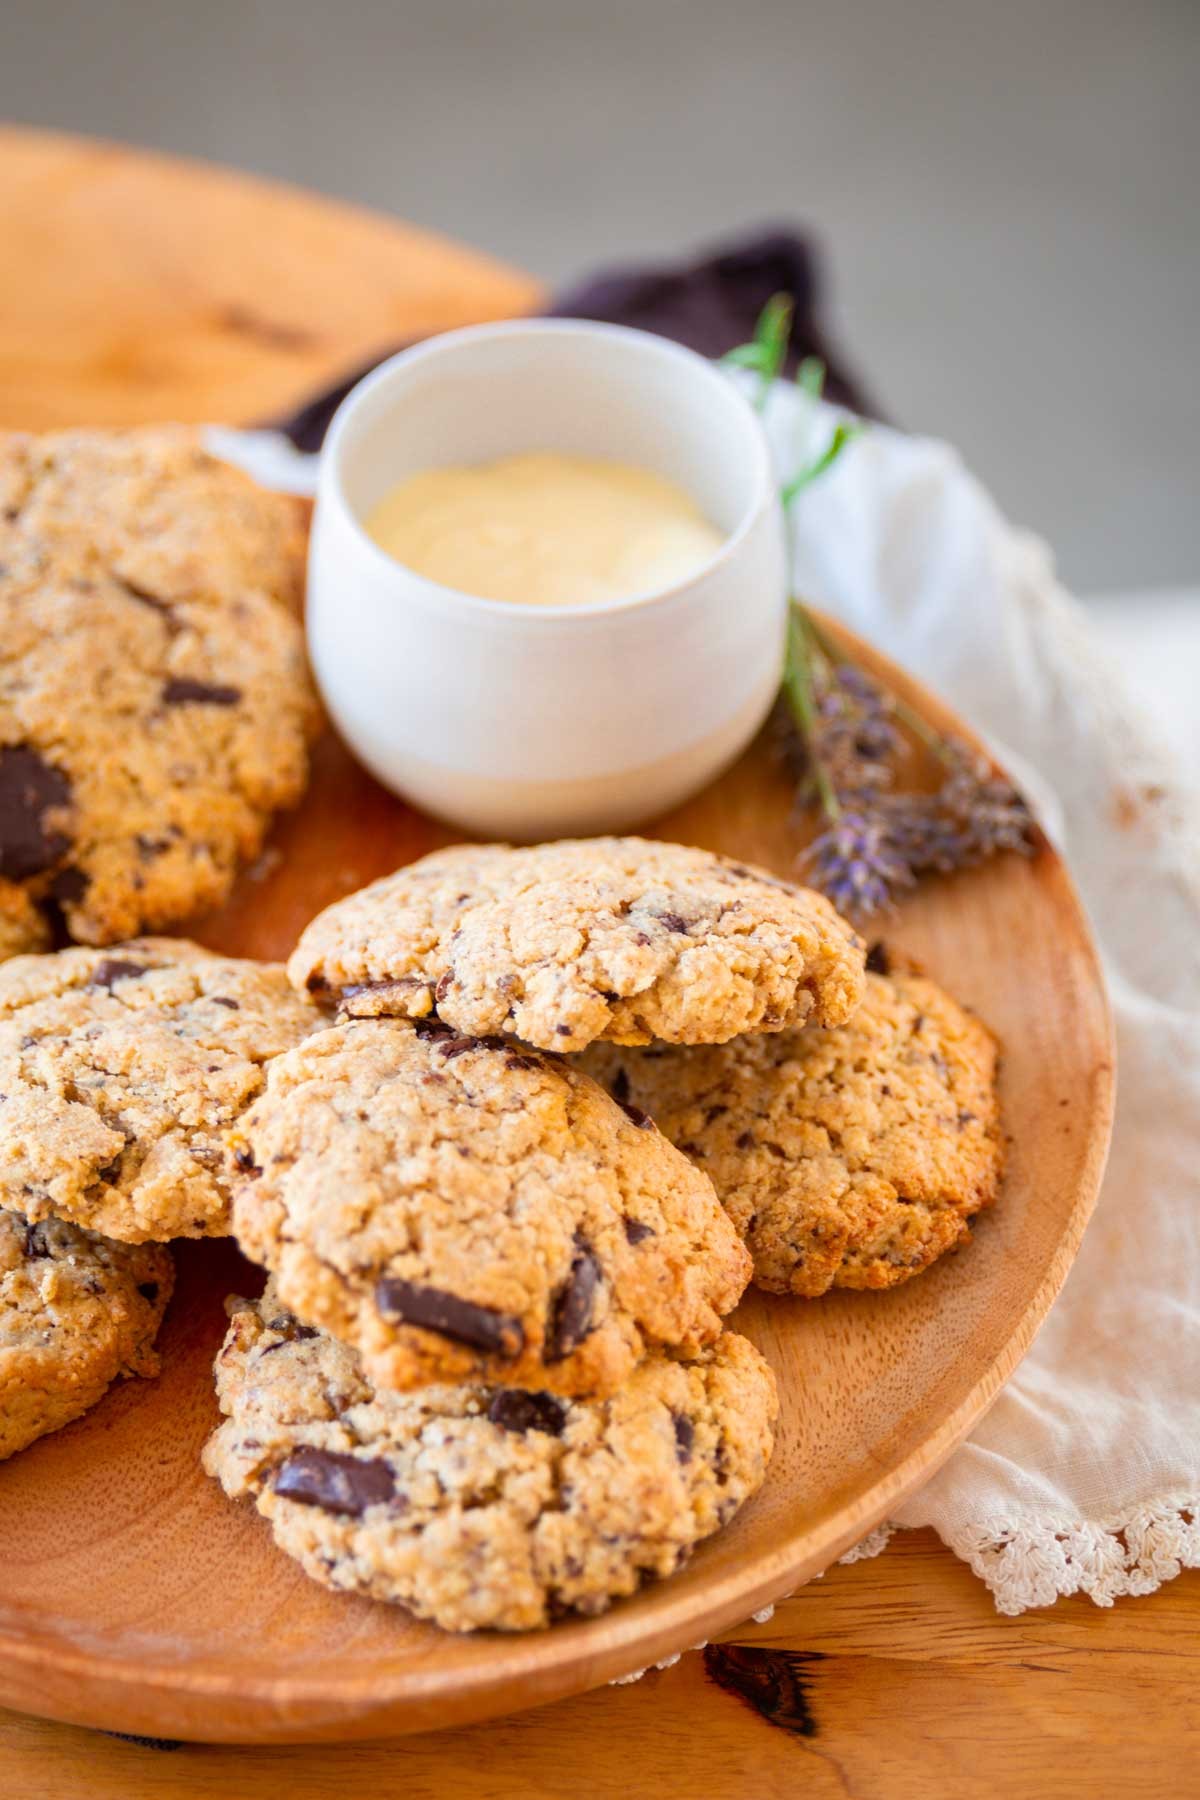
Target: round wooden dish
[(136, 1598)]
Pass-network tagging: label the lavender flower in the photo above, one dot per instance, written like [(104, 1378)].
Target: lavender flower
[(992, 814), (854, 863), (847, 741), (845, 733), (855, 726)]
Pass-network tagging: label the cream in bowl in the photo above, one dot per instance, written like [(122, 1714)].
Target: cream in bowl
[(545, 528), (547, 589)]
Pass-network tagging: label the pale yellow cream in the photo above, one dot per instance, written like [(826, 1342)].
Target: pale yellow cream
[(545, 529)]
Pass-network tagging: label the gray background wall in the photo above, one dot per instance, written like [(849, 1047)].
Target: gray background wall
[(1007, 193)]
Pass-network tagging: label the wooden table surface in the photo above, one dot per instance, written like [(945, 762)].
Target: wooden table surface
[(139, 288)]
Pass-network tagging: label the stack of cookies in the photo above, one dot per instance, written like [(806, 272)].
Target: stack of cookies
[(489, 1377), (510, 1134)]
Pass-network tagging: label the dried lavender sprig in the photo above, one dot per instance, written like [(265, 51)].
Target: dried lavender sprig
[(856, 865), (846, 727), (895, 836), (879, 840)]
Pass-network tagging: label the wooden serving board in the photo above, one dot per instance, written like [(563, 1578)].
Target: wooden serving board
[(137, 1598)]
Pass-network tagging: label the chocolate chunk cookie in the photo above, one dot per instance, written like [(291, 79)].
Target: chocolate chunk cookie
[(848, 1158), (564, 943), (485, 1507), (154, 510), (459, 1209), (144, 743), (120, 1074), (76, 1312)]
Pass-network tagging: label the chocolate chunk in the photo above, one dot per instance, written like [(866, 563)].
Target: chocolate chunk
[(68, 886), (35, 1246), (571, 1310), (516, 1410), (746, 1140), (150, 848), (636, 1230), (458, 1046), (620, 1093), (335, 1483), (290, 1330), (137, 592), (878, 960), (672, 921), (431, 1028), (245, 1161), (182, 690), (458, 1043), (149, 1291), (685, 1435), (467, 1323), (563, 1030), (444, 983), (112, 970), (29, 789), (635, 1115), (226, 1000), (317, 983)]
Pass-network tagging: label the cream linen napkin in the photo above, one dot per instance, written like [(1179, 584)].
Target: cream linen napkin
[(1085, 1475)]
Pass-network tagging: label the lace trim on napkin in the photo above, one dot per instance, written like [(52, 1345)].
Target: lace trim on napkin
[(1024, 1565), (1133, 1552)]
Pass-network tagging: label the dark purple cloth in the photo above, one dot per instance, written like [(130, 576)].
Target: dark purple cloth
[(710, 304)]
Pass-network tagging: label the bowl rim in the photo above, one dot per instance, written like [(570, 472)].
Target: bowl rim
[(722, 385)]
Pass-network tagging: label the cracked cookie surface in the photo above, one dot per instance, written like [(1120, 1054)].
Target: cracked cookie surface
[(589, 938), (459, 1209), (485, 1507), (144, 744), (845, 1158), (153, 508), (77, 1311), (122, 1071)]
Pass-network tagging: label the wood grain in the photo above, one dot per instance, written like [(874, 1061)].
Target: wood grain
[(142, 287), (915, 1691), (919, 1688)]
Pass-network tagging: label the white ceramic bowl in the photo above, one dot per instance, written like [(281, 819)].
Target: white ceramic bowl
[(536, 721)]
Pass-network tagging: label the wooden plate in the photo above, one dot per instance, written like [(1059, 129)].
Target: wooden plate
[(137, 1598)]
